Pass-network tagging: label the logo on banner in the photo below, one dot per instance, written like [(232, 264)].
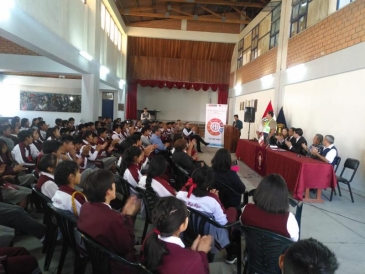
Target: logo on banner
[(215, 127)]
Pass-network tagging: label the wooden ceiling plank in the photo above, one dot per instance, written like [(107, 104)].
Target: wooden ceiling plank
[(181, 17), (211, 12), (241, 13), (220, 3)]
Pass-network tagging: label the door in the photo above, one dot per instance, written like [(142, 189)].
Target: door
[(107, 106)]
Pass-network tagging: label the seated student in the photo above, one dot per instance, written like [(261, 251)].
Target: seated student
[(71, 125), (67, 148), (14, 134), (190, 133), (102, 139), (5, 135), (270, 210), (67, 175), (34, 124), (129, 168), (156, 140), (164, 252), (145, 137), (42, 130), (46, 183), (182, 156), (36, 142), (24, 124), (116, 135), (136, 139), (53, 134), (297, 146), (18, 260), (81, 128), (58, 123), (200, 195), (64, 131), (22, 153), (308, 256), (15, 173), (221, 164), (112, 229), (153, 182), (64, 124)]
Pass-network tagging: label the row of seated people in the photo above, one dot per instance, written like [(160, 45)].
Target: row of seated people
[(322, 148)]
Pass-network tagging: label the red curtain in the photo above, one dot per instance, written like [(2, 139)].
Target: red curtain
[(131, 105), (223, 94)]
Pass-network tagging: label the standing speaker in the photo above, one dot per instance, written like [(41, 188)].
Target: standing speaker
[(249, 115)]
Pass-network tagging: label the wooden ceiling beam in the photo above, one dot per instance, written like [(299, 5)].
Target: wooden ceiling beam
[(241, 13), (180, 11), (219, 3), (182, 17), (210, 11)]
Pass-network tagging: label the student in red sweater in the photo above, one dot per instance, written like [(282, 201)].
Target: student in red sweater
[(164, 252), (270, 210)]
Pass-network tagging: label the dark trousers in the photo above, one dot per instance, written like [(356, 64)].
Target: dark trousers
[(19, 261), (199, 140), (15, 217)]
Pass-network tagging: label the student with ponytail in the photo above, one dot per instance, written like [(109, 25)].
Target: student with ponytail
[(129, 168), (153, 182), (164, 252), (200, 195)]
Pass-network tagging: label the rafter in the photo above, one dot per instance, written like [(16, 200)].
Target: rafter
[(219, 3), (210, 11), (182, 17), (179, 11), (241, 13)]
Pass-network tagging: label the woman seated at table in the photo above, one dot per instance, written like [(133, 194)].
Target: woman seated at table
[(270, 210), (221, 164), (280, 138)]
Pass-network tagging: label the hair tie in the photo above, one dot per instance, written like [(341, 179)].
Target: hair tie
[(156, 231), (192, 185)]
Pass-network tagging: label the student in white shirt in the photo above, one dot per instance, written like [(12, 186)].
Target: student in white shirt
[(46, 183)]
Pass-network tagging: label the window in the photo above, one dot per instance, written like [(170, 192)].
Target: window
[(255, 42), (108, 24), (298, 16), (275, 26), (342, 3), (240, 54)]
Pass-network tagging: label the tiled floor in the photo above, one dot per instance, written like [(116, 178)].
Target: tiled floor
[(338, 224)]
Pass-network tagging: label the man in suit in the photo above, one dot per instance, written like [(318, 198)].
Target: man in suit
[(114, 230), (329, 152), (237, 124), (299, 140)]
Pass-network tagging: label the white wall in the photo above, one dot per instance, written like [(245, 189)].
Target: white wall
[(10, 96), (187, 105), (332, 105), (263, 98)]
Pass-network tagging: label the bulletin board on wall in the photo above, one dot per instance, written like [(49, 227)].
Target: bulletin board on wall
[(43, 101)]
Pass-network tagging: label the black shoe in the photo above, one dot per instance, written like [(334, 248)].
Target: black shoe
[(231, 259), (206, 144), (200, 151)]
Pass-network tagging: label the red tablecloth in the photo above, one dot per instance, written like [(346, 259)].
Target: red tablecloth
[(299, 172)]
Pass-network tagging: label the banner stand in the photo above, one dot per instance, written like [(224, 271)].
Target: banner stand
[(216, 115)]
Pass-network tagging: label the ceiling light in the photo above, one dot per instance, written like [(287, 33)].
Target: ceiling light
[(238, 88), (85, 55)]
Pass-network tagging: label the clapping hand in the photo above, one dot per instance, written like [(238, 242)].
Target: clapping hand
[(314, 151), (132, 206), (288, 144)]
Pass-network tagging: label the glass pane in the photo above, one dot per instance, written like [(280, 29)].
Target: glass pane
[(302, 22), (276, 13), (342, 3), (277, 25), (272, 42), (294, 29), (295, 11), (303, 7)]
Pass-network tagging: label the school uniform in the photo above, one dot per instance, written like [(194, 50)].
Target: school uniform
[(38, 144), (46, 184), (159, 185), (93, 155), (283, 224), (132, 175), (22, 155), (119, 136), (182, 260), (34, 151), (42, 135), (112, 230), (212, 208), (62, 199)]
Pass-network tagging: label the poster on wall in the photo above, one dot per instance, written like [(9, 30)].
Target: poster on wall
[(215, 120), (41, 101)]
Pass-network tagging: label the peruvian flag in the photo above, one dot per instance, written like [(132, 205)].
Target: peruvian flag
[(261, 128)]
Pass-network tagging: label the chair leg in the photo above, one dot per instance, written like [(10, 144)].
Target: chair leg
[(50, 244), (331, 194), (145, 229), (239, 250), (339, 190), (352, 198), (80, 264), (62, 258)]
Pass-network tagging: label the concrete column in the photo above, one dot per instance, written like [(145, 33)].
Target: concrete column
[(284, 36), (90, 97)]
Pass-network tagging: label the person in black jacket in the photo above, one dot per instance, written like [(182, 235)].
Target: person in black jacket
[(221, 164), (182, 156), (297, 145)]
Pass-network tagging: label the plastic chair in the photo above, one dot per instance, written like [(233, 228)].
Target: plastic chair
[(100, 256), (181, 175), (336, 165), (49, 220), (263, 249), (150, 200), (352, 164), (67, 223), (226, 190)]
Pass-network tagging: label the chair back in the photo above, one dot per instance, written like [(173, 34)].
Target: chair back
[(225, 190), (67, 223), (150, 201), (100, 256), (337, 164), (350, 163), (298, 205), (43, 201), (181, 174), (125, 189), (263, 250)]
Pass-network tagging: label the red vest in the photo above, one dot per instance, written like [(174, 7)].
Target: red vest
[(41, 181)]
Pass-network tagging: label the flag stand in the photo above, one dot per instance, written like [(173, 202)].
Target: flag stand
[(249, 124)]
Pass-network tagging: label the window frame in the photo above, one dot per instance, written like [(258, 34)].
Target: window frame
[(338, 4), (275, 35), (240, 53), (299, 16), (255, 38)]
